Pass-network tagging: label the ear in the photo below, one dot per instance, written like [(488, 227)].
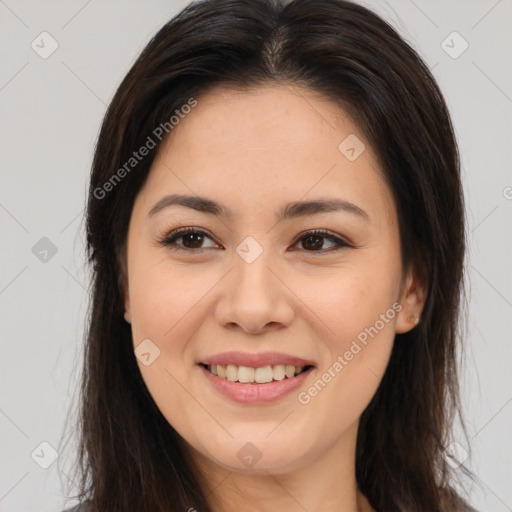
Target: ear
[(413, 296), (123, 281)]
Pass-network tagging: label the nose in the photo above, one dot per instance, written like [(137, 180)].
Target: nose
[(255, 298)]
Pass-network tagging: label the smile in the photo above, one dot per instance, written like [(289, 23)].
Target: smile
[(261, 375), (255, 378)]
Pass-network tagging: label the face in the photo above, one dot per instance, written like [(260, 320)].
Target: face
[(251, 287)]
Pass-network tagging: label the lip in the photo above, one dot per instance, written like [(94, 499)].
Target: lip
[(256, 360), (254, 394)]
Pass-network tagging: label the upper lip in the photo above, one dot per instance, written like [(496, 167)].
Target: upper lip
[(256, 360)]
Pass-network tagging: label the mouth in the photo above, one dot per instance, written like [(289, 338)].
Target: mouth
[(256, 375), (255, 378)]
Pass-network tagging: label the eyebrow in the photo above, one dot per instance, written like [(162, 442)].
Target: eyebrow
[(288, 211)]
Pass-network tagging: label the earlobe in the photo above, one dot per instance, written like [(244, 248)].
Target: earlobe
[(412, 301), (415, 320), (127, 309), (126, 296)]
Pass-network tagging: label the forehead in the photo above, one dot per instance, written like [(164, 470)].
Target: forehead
[(264, 121), (273, 143)]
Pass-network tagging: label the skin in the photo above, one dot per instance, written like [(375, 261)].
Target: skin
[(254, 151)]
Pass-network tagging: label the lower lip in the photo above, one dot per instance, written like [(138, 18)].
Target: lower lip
[(255, 393)]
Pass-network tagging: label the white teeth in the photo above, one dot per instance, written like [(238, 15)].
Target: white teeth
[(261, 375), (232, 372), (279, 372), (265, 374), (289, 370), (221, 371), (245, 374)]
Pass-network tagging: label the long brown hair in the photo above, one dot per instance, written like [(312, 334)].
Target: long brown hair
[(130, 457)]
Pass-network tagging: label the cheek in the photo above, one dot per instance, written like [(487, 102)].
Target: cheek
[(358, 312), (166, 303), (353, 364), (345, 302), (163, 298)]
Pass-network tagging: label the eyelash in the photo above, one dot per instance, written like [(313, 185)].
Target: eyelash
[(169, 240)]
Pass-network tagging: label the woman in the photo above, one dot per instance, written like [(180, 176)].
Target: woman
[(276, 230)]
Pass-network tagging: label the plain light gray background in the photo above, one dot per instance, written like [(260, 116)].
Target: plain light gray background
[(51, 110)]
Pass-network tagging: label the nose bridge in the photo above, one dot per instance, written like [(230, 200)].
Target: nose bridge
[(255, 296), (252, 274)]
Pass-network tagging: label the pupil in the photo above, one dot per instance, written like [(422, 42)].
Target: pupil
[(314, 237), (190, 236)]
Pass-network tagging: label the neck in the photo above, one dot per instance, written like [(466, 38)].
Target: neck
[(327, 484)]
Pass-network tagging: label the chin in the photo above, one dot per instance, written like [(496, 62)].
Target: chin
[(259, 456)]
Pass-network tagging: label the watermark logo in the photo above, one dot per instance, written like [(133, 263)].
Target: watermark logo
[(44, 455), (351, 147), (44, 45), (454, 45), (455, 455), (147, 352), (249, 455), (249, 249), (44, 250)]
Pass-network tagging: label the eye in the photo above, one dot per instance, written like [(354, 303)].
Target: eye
[(192, 239), (315, 240)]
